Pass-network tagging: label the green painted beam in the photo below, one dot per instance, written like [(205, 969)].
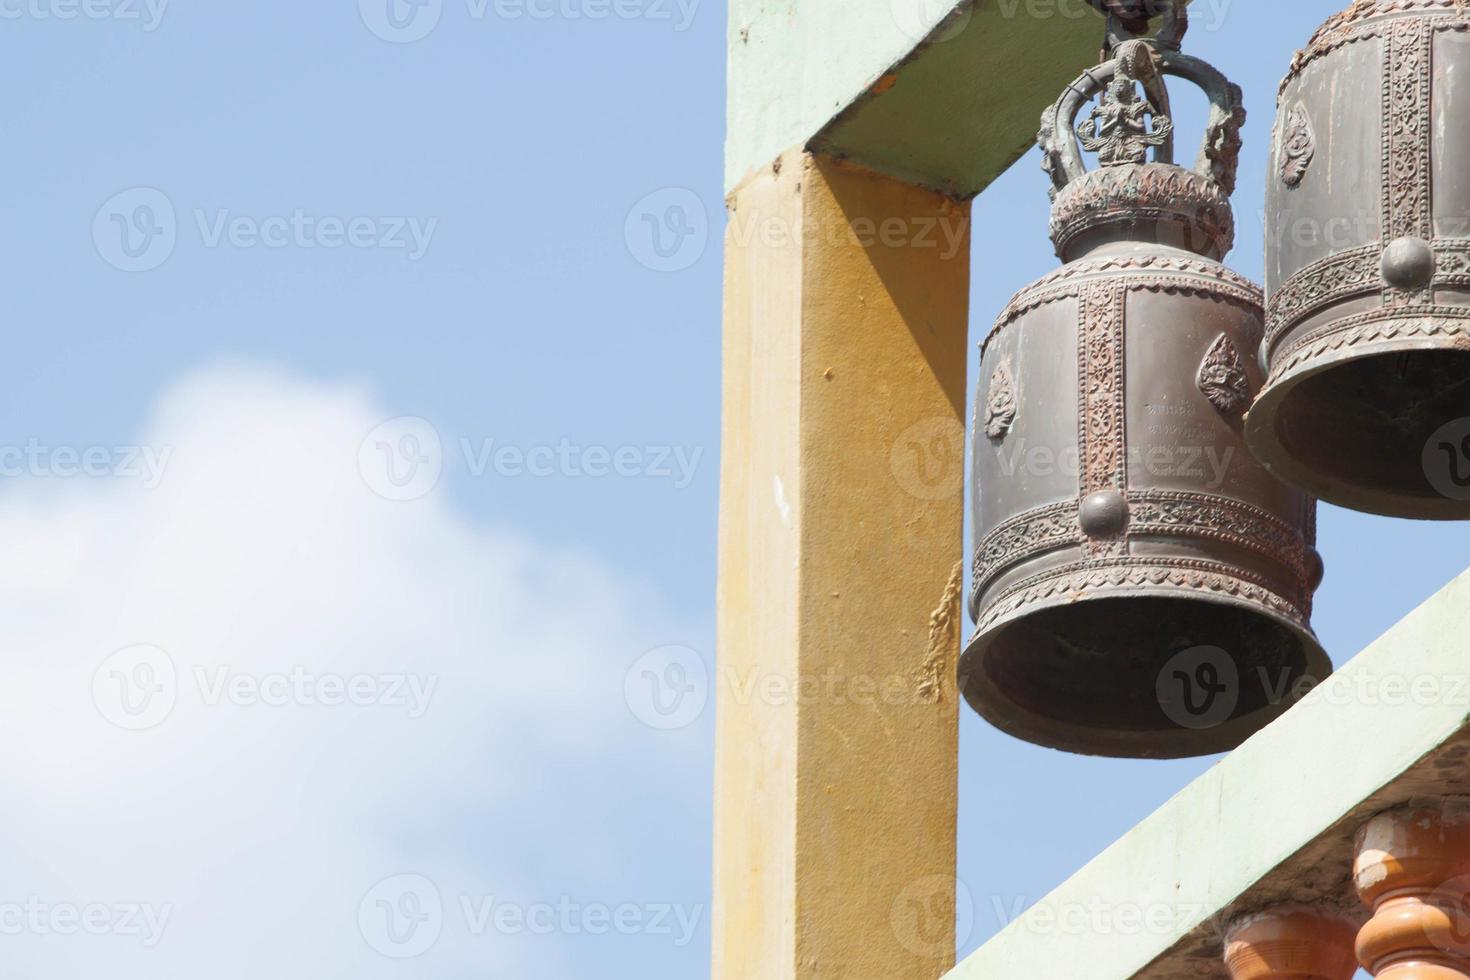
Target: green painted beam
[(1271, 823), (966, 104), (942, 93), (795, 64)]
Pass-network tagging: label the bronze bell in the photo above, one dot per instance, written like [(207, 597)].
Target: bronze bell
[(1368, 264), (1142, 587)]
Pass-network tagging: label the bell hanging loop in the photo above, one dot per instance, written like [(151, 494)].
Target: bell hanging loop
[(1130, 19), (1142, 587), (1132, 118)]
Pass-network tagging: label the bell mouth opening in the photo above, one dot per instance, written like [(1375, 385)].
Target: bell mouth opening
[(1387, 433), (1144, 677)]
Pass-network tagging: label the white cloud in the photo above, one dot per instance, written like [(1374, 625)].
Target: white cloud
[(258, 828)]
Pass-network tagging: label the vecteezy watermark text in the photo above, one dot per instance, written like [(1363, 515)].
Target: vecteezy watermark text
[(677, 464), (1208, 463), (403, 458), (1205, 15), (1097, 917), (302, 688), (145, 464), (302, 230), (138, 687), (944, 235), (1200, 688), (128, 920), (404, 916), (138, 230), (669, 688), (569, 917), (407, 21), (148, 14)]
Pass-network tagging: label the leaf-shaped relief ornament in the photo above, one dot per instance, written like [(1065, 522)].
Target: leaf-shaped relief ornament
[(1000, 402), (1299, 146), (1222, 376)]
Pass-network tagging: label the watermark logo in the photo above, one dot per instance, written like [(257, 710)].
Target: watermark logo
[(401, 21), (933, 915), (136, 688), (402, 459), (668, 688), (136, 230), (1451, 932), (401, 917), (1446, 460), (928, 459), (919, 18), (668, 230), (1199, 688)]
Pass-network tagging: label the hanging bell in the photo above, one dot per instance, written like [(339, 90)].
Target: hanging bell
[(1368, 264), (1142, 587)]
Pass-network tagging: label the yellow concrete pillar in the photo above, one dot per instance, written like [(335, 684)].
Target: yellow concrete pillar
[(846, 302)]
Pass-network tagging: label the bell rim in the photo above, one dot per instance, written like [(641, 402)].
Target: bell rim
[(1173, 743), (1266, 445)]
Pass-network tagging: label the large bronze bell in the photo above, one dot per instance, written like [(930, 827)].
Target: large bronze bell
[(1142, 587), (1368, 264)]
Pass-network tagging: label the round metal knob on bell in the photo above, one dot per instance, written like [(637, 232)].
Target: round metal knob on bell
[(1142, 586), (1368, 265)]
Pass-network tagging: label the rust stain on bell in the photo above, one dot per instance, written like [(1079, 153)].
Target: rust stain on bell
[(1142, 586), (1368, 264)]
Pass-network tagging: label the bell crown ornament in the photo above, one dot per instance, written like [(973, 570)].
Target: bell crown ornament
[(1130, 197), (1367, 404), (1142, 587)]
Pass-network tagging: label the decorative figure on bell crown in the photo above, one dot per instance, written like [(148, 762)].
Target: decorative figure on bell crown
[(1119, 131)]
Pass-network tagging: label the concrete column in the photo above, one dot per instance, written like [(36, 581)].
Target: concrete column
[(1413, 871), (846, 298)]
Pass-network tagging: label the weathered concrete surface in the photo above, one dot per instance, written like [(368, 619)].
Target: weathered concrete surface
[(1273, 822), (942, 93), (794, 64), (965, 105), (840, 576)]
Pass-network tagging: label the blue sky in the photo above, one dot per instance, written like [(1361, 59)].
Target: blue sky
[(345, 529)]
